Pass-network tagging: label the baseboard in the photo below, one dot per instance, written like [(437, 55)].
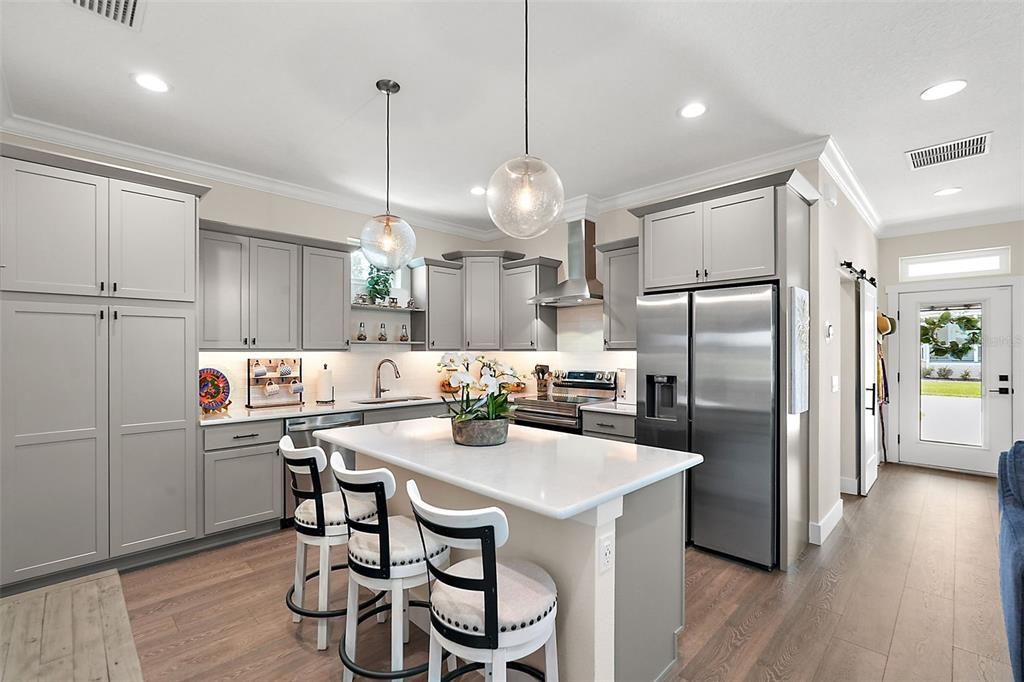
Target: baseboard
[(669, 672), (819, 532), (848, 486)]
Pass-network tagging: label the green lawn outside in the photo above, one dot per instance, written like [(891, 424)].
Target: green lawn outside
[(956, 389)]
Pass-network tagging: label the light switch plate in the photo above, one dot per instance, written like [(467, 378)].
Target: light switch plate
[(835, 384)]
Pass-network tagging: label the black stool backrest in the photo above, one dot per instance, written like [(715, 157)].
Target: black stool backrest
[(306, 462), (482, 530), (380, 485)]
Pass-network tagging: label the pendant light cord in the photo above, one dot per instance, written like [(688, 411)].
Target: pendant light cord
[(526, 75), (387, 147)]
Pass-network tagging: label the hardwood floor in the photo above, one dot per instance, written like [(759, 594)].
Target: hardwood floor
[(75, 630), (904, 589)]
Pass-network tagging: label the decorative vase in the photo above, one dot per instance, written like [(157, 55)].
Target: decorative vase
[(480, 432)]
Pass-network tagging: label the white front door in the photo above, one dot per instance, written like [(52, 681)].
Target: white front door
[(956, 395)]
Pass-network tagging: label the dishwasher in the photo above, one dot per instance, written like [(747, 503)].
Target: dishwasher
[(301, 431)]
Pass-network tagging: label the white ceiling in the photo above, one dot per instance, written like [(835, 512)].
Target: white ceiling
[(286, 91)]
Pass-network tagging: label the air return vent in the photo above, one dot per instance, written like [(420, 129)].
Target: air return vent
[(976, 145), (125, 12)]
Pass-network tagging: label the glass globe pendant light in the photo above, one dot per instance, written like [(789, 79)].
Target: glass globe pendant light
[(387, 241), (525, 194)]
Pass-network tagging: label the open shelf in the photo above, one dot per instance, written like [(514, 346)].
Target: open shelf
[(390, 309)]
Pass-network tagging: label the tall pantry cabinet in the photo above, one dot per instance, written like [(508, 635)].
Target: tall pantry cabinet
[(97, 310)]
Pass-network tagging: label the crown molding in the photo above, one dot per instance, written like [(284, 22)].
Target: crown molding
[(583, 207), (133, 153), (838, 168), (952, 222), (730, 173)]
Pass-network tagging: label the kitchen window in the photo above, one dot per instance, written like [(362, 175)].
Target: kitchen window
[(973, 263)]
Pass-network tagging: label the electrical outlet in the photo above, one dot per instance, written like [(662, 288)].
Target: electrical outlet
[(835, 384), (605, 553)]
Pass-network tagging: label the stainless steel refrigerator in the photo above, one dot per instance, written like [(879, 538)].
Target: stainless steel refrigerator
[(707, 382)]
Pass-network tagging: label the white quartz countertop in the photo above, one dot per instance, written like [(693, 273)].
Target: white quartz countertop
[(611, 408), (236, 415), (554, 474)]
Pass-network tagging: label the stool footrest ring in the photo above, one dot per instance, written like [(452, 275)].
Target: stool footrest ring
[(289, 599), (511, 665), (381, 674)]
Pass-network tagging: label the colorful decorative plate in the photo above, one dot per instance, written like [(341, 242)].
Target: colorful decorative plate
[(214, 389)]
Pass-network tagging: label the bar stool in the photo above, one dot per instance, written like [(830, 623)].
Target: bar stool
[(388, 556), (320, 521), (483, 610)]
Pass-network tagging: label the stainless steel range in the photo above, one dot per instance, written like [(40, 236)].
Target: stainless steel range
[(559, 409)]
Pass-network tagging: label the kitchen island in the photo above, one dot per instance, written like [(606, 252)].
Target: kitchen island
[(569, 500)]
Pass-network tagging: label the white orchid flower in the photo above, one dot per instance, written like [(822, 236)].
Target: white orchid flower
[(449, 360), (486, 371), (491, 385), (460, 379)]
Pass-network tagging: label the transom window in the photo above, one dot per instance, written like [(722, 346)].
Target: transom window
[(973, 263)]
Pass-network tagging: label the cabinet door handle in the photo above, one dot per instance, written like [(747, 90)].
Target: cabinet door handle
[(254, 340), (115, 314), (348, 342), (245, 340), (102, 286), (705, 273), (531, 343), (113, 286), (245, 435), (696, 273), (101, 313), (431, 342)]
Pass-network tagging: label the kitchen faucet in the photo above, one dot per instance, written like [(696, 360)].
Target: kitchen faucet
[(377, 390)]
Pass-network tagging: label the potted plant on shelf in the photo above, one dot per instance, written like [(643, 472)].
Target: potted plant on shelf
[(378, 285), (481, 409)]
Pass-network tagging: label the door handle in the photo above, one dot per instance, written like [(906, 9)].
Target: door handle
[(872, 390), (245, 435), (1001, 391)]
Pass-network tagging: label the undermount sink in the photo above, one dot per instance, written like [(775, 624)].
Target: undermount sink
[(392, 399)]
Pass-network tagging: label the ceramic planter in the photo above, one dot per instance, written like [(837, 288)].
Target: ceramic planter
[(480, 432)]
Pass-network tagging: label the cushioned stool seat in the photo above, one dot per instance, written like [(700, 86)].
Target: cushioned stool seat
[(526, 596), (404, 542), (334, 510)]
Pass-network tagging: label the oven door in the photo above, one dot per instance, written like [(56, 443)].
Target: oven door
[(546, 420)]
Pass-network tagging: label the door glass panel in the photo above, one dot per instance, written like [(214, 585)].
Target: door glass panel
[(951, 374)]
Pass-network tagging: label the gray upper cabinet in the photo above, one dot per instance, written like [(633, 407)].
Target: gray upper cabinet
[(223, 290), (152, 242), (326, 299), (621, 287), (53, 230), (739, 235), (437, 285), (152, 432), (53, 437), (483, 303), (527, 326), (673, 247), (721, 239), (273, 295)]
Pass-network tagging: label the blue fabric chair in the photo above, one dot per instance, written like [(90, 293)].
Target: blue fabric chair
[(1011, 552)]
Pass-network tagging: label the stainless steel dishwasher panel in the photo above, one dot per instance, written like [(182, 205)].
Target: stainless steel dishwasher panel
[(301, 431)]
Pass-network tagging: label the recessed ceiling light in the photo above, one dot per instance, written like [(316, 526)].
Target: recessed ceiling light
[(949, 191), (943, 90), (692, 110), (151, 82), (478, 191)]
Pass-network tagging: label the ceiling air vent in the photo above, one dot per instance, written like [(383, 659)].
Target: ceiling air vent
[(976, 145), (125, 12)]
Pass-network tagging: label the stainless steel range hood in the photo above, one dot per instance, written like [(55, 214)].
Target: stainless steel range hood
[(581, 287)]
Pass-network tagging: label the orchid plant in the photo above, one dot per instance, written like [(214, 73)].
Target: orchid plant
[(491, 399)]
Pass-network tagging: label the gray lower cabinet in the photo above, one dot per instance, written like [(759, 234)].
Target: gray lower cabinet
[(621, 287), (437, 285), (243, 474), (242, 486), (326, 299), (609, 425), (53, 437), (527, 326), (152, 427)]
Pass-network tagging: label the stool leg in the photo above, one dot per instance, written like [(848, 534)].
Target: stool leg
[(551, 658), (300, 574), (434, 662), (405, 616), (397, 653), (498, 666), (383, 615), (325, 586), (351, 621), (487, 671)]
